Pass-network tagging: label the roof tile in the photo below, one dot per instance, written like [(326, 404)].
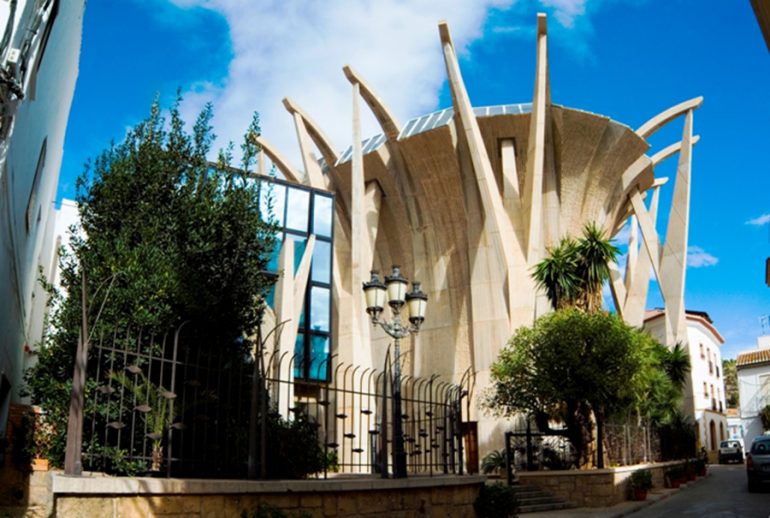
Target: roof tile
[(753, 357)]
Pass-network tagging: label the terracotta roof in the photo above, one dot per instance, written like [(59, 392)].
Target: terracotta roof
[(753, 357), (695, 316)]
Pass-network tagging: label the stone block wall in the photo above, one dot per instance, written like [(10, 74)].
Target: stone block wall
[(592, 488), (437, 496)]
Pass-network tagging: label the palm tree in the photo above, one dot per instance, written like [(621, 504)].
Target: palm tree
[(557, 274), (595, 252), (573, 273), (676, 363)]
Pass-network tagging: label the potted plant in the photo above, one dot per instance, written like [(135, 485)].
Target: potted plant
[(690, 470), (673, 476), (641, 482), (38, 436), (700, 467)]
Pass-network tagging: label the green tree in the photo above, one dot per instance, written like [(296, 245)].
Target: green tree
[(730, 376), (568, 364), (166, 238)]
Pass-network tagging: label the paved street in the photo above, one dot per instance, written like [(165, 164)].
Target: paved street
[(723, 494)]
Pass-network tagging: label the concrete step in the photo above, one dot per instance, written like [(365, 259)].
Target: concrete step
[(532, 499)]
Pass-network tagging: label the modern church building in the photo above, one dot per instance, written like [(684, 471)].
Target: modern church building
[(466, 201)]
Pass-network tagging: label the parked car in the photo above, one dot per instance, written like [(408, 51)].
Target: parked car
[(730, 450), (758, 462)]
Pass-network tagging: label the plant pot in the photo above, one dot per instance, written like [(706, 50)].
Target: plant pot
[(40, 464), (639, 494), (702, 472), (673, 483)]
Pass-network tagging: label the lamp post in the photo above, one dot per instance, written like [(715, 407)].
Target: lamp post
[(416, 301)]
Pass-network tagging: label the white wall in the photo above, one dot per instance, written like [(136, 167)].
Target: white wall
[(40, 117)]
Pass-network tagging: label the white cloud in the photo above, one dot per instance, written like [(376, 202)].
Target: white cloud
[(566, 11), (764, 219), (296, 49), (698, 257)]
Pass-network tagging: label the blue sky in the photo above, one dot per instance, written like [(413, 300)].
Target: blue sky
[(624, 59)]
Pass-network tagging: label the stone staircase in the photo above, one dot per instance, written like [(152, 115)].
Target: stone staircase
[(532, 499)]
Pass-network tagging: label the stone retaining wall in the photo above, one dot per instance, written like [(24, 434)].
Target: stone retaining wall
[(592, 488), (451, 496)]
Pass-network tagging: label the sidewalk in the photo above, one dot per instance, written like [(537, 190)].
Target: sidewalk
[(621, 509)]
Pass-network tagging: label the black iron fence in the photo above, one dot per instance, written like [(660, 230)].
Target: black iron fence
[(174, 406), (625, 443), (533, 451)]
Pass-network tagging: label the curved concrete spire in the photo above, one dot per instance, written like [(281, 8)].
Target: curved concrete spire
[(278, 159), (639, 271), (312, 168), (497, 225), (664, 117), (665, 153), (390, 126), (673, 263), (315, 132), (532, 197)]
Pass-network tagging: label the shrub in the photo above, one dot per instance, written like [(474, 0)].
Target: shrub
[(495, 501)]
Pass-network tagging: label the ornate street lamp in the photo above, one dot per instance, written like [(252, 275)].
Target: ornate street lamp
[(394, 290)]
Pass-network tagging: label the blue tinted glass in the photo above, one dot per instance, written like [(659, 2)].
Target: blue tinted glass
[(320, 305), (297, 209), (322, 262), (272, 263), (299, 358), (319, 354), (272, 201), (300, 244), (322, 216)]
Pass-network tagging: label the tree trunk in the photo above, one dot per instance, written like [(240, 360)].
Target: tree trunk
[(600, 440)]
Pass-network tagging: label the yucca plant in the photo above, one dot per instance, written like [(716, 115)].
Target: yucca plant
[(153, 403), (494, 462)]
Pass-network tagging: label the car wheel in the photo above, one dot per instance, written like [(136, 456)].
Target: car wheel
[(753, 486)]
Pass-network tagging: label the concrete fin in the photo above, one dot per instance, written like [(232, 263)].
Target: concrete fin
[(390, 126), (279, 160), (674, 260), (666, 116)]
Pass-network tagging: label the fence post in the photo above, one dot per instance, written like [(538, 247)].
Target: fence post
[(384, 415), (529, 446), (508, 458), (458, 430)]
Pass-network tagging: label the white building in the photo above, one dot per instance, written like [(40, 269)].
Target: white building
[(754, 386), (704, 396), (55, 235), (39, 55)]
